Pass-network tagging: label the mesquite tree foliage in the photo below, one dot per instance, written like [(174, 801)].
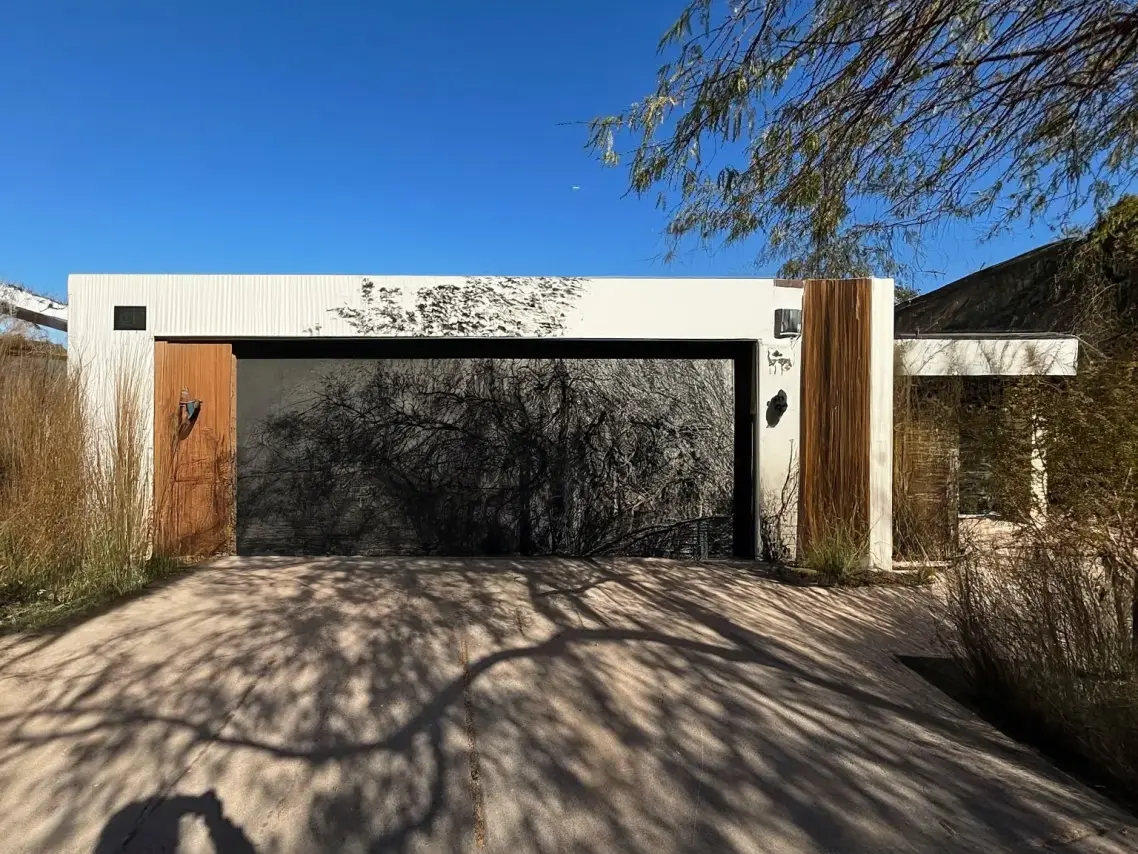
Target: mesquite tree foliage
[(841, 130)]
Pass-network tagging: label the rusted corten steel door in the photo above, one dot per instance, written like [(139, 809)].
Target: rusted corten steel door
[(833, 486), (194, 447)]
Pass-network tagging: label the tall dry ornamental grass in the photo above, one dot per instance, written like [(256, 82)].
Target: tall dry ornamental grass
[(1045, 625), (1045, 633), (74, 512)]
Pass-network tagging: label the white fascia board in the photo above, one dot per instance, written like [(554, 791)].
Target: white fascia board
[(989, 356)]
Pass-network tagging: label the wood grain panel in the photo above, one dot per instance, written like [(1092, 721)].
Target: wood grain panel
[(833, 497), (194, 460)]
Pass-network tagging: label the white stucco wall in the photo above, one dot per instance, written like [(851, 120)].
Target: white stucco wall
[(226, 306)]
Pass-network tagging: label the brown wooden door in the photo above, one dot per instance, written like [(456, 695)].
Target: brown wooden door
[(194, 457)]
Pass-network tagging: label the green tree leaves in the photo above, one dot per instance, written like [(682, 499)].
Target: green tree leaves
[(839, 131)]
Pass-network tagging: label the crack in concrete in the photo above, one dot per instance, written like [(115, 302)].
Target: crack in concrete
[(205, 742), (472, 747)]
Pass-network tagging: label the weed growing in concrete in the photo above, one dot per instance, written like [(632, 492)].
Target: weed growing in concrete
[(837, 552)]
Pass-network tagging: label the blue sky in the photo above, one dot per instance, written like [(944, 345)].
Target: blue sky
[(286, 136)]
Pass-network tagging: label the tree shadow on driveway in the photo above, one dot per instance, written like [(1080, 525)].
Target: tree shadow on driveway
[(434, 705)]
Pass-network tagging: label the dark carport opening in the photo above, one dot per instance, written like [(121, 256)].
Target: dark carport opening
[(313, 413)]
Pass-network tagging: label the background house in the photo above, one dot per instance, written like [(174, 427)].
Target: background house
[(973, 443)]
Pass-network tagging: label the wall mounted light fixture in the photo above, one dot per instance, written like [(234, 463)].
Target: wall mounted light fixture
[(189, 407), (787, 322)]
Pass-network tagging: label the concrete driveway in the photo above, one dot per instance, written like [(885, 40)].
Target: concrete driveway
[(432, 705)]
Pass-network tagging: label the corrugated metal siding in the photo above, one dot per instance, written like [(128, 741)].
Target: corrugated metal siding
[(266, 306), (881, 357), (270, 305), (103, 354), (222, 306)]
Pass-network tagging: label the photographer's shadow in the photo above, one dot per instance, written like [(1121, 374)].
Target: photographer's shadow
[(155, 825)]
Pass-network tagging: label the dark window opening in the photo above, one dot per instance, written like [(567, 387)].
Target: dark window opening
[(995, 452), (130, 317)]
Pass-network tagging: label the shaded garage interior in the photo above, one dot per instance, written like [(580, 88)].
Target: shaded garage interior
[(494, 447)]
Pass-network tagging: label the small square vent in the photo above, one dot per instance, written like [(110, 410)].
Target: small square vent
[(787, 322), (130, 317)]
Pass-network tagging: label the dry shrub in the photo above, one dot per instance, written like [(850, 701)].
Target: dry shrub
[(74, 513), (1044, 632), (778, 517), (1044, 626), (1043, 622)]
